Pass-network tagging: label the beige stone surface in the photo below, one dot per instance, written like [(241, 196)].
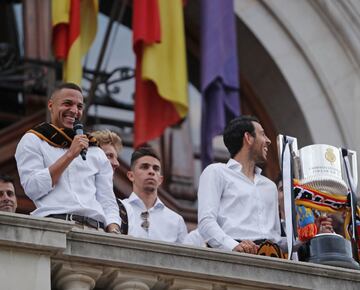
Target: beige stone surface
[(314, 46), (108, 261), (24, 270)]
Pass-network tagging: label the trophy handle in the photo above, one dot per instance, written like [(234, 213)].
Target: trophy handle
[(352, 179), (292, 141), (287, 146), (353, 156), (294, 153)]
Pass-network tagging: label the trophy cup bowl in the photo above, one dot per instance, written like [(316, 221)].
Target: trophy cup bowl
[(321, 169)]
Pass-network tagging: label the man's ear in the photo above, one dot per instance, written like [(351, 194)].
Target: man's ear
[(50, 103), (248, 138), (130, 175)]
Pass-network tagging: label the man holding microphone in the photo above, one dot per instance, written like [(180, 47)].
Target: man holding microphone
[(65, 174)]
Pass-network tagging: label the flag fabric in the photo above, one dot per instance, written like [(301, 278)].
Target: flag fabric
[(74, 25), (161, 74), (219, 72)]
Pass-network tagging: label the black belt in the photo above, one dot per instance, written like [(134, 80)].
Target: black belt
[(79, 219), (256, 242)]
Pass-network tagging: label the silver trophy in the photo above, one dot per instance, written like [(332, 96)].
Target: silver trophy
[(322, 168)]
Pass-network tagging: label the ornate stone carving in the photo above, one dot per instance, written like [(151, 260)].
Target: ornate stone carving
[(69, 276)]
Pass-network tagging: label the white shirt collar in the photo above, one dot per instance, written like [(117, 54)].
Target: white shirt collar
[(235, 165), (135, 199)]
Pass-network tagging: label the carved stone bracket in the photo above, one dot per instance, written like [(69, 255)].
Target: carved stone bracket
[(116, 279), (69, 276)]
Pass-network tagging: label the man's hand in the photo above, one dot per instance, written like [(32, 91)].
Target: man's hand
[(324, 225), (246, 246), (79, 143), (113, 228)]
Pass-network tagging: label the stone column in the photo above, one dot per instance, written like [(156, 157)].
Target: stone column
[(131, 285), (75, 276), (75, 282), (114, 279)]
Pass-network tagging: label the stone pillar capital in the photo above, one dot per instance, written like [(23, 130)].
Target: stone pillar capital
[(69, 276), (115, 279), (75, 282), (131, 285), (190, 284)]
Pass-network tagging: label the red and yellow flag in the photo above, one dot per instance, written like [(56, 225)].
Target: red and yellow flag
[(161, 98), (74, 28)]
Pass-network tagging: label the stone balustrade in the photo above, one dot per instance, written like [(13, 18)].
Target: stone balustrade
[(43, 254)]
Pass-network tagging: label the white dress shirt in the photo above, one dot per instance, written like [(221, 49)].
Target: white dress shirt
[(164, 224), (233, 207), (85, 187)]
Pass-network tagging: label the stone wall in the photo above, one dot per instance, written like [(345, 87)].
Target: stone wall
[(314, 46)]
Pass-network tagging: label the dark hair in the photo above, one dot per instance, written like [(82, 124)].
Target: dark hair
[(61, 86), (141, 152), (234, 133), (6, 178)]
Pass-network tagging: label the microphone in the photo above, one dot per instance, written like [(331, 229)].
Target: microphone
[(79, 130)]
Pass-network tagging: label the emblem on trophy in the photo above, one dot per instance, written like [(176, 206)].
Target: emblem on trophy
[(319, 180)]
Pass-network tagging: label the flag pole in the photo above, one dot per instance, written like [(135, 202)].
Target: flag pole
[(117, 13)]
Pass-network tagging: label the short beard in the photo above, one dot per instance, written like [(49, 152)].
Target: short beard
[(258, 159)]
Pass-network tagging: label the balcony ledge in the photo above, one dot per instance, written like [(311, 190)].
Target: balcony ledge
[(102, 257)]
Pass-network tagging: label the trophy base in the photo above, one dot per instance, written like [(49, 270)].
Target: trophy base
[(328, 249)]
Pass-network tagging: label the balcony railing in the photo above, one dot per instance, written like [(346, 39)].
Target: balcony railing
[(43, 254)]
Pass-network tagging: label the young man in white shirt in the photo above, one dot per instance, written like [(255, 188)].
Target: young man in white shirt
[(238, 207), (148, 217), (58, 177)]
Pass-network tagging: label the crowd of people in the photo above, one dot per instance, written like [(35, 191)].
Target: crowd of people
[(69, 175)]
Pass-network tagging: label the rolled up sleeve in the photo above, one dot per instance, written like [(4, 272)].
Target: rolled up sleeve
[(35, 178)]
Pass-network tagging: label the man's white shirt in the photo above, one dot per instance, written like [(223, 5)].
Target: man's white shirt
[(233, 207), (164, 224), (85, 187)]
